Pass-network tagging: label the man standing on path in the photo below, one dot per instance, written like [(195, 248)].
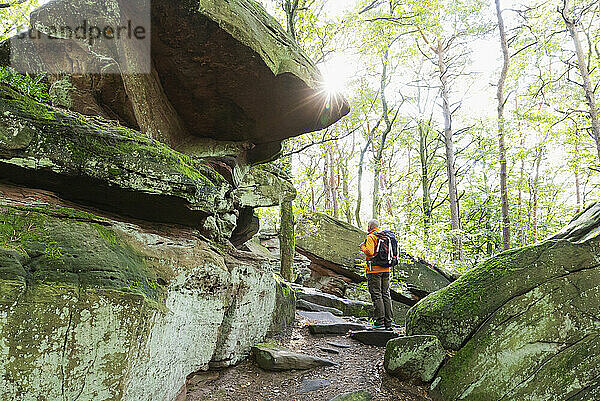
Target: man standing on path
[(378, 277)]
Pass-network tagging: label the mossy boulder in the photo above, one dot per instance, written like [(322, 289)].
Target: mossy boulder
[(80, 294), (414, 358), (524, 323), (331, 243), (419, 276)]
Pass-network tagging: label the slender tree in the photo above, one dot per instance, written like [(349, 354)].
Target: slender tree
[(501, 146), (381, 144), (588, 88)]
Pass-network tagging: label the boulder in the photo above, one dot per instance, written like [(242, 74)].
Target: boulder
[(274, 358), (312, 307), (79, 289), (321, 316), (414, 358), (329, 284), (421, 277), (334, 328), (347, 306), (523, 322), (378, 338), (229, 73), (120, 170), (332, 244)]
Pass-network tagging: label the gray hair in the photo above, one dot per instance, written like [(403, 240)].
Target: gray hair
[(372, 224)]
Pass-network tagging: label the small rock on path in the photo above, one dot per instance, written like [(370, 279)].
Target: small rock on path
[(309, 385)]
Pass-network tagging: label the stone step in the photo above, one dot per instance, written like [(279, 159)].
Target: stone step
[(348, 307), (312, 307), (309, 385), (378, 338), (334, 328), (339, 345), (329, 350), (321, 316)]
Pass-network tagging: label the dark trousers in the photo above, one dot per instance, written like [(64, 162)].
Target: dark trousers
[(379, 288)]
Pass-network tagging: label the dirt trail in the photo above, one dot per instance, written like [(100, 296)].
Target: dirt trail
[(360, 367)]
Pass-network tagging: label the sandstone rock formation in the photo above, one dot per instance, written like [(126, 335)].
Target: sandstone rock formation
[(524, 323), (118, 277), (221, 70), (79, 290)]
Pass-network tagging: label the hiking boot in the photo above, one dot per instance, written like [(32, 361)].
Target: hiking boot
[(377, 326)]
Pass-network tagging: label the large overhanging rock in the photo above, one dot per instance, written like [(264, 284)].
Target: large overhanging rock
[(525, 322), (228, 72), (333, 247), (111, 167), (101, 309)]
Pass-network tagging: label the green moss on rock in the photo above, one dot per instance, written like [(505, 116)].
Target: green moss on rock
[(524, 323), (65, 246), (99, 156)]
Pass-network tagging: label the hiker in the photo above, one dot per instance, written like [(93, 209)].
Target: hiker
[(381, 251)]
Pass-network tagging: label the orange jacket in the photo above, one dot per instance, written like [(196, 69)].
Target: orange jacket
[(368, 248)]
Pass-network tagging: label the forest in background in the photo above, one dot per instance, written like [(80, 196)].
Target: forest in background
[(447, 109), (422, 147)]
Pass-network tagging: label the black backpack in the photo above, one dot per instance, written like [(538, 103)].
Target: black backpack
[(386, 251)]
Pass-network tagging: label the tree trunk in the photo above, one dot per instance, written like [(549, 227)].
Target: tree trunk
[(359, 183), (286, 240), (381, 147), (577, 192), (427, 212), (326, 189), (501, 147), (388, 200), (584, 72), (153, 111), (376, 177), (290, 7), (346, 192), (520, 205), (538, 160), (520, 218), (577, 184), (286, 230), (333, 184), (457, 253)]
